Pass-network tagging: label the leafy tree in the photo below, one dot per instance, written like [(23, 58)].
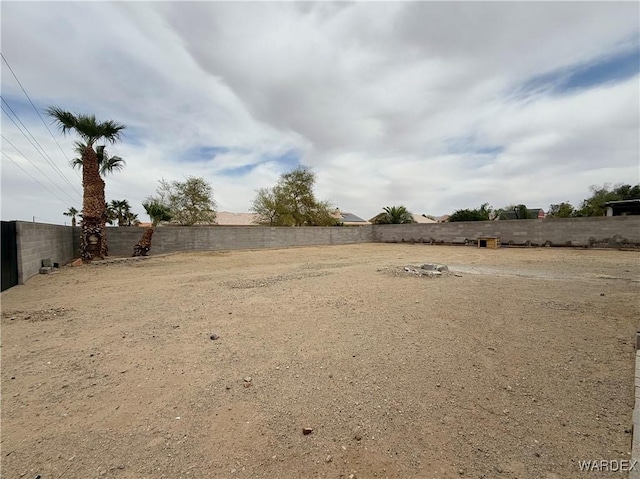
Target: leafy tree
[(561, 210), (522, 212), (72, 212), (93, 241), (291, 202), (484, 213), (394, 215), (595, 204), (514, 212), (190, 202), (468, 215), (269, 205), (157, 212)]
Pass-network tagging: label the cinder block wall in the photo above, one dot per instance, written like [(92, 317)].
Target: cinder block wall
[(168, 239), (37, 241), (558, 232)]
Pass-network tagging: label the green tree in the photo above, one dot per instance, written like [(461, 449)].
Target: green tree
[(158, 212), (72, 212), (131, 219), (514, 212), (600, 195), (467, 215), (484, 213), (269, 206), (93, 242), (292, 202), (394, 215), (561, 210), (120, 210), (190, 202)]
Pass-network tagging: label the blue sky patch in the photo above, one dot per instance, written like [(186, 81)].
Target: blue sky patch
[(470, 146), (239, 171), (287, 161), (611, 69), (204, 153)]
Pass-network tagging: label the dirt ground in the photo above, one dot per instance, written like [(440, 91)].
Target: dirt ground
[(518, 368)]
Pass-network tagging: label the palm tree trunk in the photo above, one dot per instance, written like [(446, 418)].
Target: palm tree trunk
[(144, 245), (92, 241)]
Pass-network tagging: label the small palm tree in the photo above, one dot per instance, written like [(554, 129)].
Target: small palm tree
[(92, 242), (157, 212), (394, 215), (72, 212), (131, 219), (120, 209)]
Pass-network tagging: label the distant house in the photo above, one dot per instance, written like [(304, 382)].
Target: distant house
[(225, 218), (443, 219), (623, 207), (348, 219), (533, 214), (422, 219)]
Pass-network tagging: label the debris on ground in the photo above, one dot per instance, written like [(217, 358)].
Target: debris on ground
[(429, 270)]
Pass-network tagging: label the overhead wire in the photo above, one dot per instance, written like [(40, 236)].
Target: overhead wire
[(34, 107), (34, 178), (36, 145), (36, 167)]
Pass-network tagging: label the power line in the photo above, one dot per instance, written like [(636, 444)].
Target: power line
[(34, 178), (36, 167), (36, 145), (34, 107)]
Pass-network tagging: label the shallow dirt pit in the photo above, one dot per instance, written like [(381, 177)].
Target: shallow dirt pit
[(520, 367)]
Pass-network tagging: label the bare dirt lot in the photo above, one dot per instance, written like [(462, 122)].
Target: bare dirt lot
[(519, 368)]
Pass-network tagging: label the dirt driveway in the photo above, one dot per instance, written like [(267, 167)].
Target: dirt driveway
[(520, 367)]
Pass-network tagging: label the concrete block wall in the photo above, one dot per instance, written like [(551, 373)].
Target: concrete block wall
[(168, 239), (558, 232), (37, 241)]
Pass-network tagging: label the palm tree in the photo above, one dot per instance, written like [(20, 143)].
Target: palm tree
[(92, 241), (107, 164), (72, 212), (120, 210), (394, 215), (131, 219), (157, 212)]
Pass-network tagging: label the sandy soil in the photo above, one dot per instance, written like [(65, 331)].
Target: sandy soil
[(519, 368)]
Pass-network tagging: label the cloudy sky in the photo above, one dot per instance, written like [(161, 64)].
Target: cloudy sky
[(435, 106)]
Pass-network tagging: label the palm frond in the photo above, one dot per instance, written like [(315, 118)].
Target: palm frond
[(115, 163), (64, 120)]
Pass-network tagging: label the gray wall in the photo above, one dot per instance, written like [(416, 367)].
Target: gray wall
[(167, 239), (37, 241), (597, 231)]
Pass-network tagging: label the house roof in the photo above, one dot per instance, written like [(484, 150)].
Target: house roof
[(348, 218), (511, 215), (422, 219), (351, 218), (226, 218), (633, 202)]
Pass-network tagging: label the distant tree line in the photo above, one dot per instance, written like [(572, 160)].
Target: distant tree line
[(595, 204), (592, 206)]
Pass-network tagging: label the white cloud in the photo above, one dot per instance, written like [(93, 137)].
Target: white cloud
[(376, 97)]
